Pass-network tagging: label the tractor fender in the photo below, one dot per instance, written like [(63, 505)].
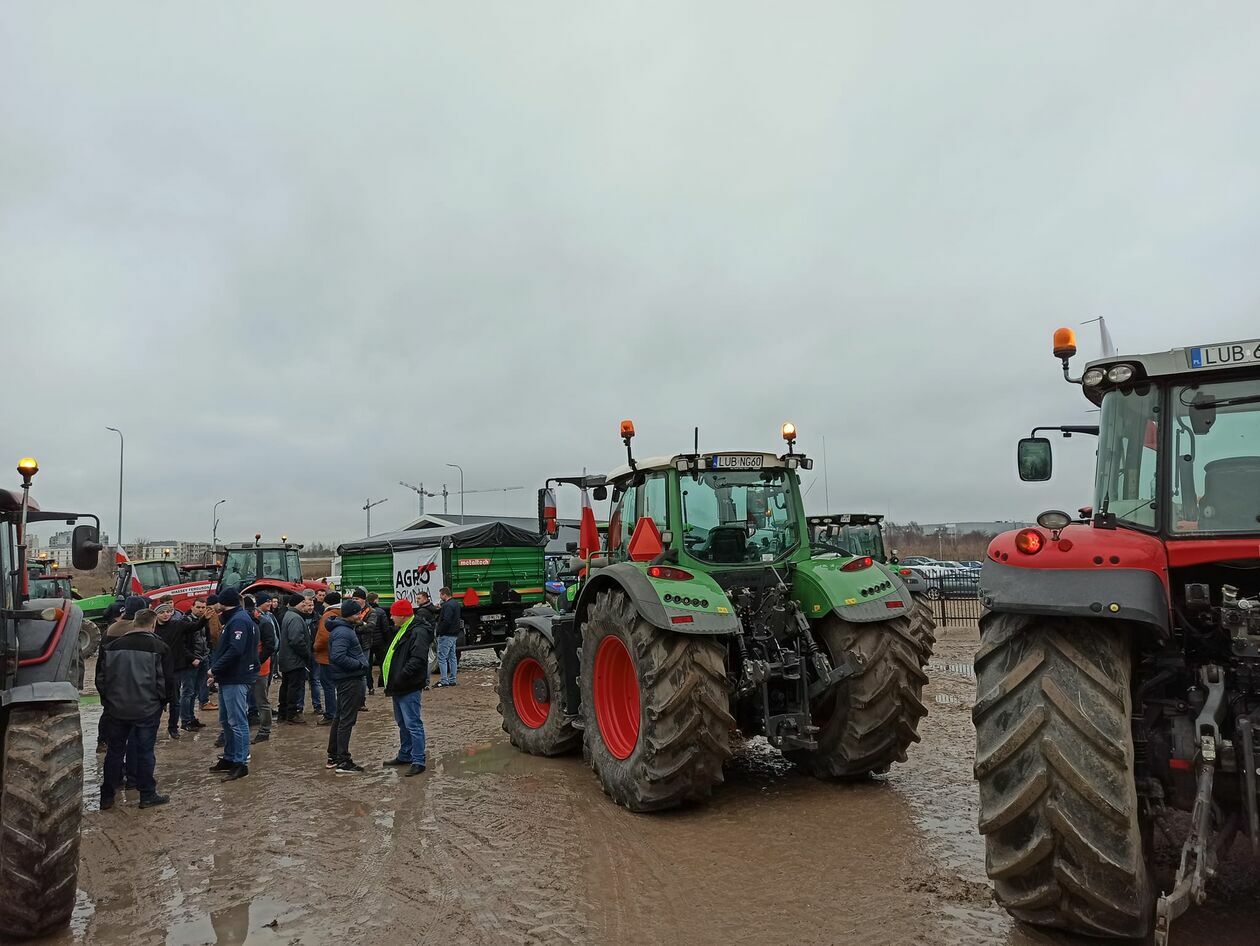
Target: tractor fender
[(631, 580), (876, 593), (1117, 594), (48, 655), (539, 619)]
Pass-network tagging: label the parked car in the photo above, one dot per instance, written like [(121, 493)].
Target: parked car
[(948, 580), (974, 566), (918, 560)]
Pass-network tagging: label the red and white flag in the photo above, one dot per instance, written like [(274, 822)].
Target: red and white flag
[(120, 556), (588, 530), (549, 510)]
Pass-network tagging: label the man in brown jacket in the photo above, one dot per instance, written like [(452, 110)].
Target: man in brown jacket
[(332, 609)]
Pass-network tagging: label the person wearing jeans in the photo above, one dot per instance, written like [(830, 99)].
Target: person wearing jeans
[(348, 665), (134, 679), (405, 670), (323, 672), (450, 620), (235, 667)]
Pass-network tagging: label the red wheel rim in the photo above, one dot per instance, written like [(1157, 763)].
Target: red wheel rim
[(528, 682), (616, 697)]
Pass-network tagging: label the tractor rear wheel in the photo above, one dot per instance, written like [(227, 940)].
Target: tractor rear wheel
[(1054, 759), (657, 709), (41, 804), (530, 688), (867, 722), (89, 639)]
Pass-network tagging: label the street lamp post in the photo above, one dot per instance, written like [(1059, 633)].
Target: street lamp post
[(368, 508), (461, 490), (121, 445), (214, 529)]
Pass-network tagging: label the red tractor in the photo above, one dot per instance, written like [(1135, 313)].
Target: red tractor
[(256, 566), (1118, 675)]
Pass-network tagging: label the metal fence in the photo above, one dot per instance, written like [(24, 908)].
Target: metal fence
[(954, 599)]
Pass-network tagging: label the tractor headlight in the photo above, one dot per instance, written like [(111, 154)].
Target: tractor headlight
[(1119, 374), (1093, 377)]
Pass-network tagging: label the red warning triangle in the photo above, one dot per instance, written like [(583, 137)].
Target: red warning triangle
[(645, 544)]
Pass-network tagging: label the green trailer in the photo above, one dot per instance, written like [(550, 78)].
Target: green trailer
[(497, 570)]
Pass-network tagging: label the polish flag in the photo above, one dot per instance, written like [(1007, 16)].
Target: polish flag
[(549, 510), (120, 556), (588, 531)]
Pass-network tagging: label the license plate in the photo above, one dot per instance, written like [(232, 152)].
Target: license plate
[(736, 461), (1225, 356), (492, 617)]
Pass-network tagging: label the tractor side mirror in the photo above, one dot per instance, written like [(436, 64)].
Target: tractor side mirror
[(85, 547), (1035, 459), (600, 493)]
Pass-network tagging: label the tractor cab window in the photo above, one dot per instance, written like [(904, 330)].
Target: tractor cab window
[(273, 564), (621, 523), (1216, 463), (654, 498), (737, 518), (6, 564), (157, 575), (241, 568), (1128, 456), (293, 565)]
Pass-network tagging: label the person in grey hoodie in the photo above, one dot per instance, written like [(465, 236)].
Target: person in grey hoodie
[(294, 656), (348, 665)]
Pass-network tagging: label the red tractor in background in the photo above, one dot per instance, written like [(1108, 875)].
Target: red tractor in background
[(1118, 675), (275, 567), (248, 566)]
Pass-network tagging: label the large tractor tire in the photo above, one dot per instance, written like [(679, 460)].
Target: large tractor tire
[(530, 696), (1054, 759), (89, 639), (867, 722), (41, 804), (658, 722)]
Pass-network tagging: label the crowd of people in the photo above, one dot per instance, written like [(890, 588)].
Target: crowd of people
[(231, 647)]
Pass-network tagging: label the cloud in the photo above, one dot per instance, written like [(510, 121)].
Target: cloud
[(299, 255)]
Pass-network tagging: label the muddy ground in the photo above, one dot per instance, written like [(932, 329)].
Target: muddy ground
[(491, 846)]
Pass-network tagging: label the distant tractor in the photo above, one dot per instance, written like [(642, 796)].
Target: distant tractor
[(862, 533), (704, 612), (41, 765), (1119, 665), (45, 581), (256, 566)]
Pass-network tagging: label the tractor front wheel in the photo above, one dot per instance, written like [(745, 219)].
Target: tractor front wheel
[(530, 688), (867, 722), (1063, 832), (657, 709), (41, 805), (89, 639)]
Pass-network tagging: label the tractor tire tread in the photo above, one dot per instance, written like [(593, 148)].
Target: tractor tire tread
[(41, 804), (558, 735), (1054, 761), (685, 714)]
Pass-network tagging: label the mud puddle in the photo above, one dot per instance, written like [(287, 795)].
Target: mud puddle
[(493, 846)]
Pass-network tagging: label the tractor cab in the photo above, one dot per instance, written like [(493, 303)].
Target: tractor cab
[(849, 533), (246, 563), (45, 582), (147, 577)]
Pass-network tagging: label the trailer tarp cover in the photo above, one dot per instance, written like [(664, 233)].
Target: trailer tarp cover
[(473, 535)]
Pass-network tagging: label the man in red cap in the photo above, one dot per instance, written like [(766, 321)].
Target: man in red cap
[(405, 671)]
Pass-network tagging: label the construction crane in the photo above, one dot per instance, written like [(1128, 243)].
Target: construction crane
[(421, 493)]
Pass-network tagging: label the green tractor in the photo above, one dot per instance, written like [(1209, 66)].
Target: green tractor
[(706, 612)]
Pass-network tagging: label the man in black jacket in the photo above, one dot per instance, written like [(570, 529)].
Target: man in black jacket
[(382, 630), (450, 622), (170, 630), (189, 665), (405, 671), (294, 656), (426, 618), (134, 679)]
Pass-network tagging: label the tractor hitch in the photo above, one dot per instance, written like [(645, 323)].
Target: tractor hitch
[(1199, 853)]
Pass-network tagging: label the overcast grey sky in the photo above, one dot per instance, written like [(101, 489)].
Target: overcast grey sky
[(298, 255)]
